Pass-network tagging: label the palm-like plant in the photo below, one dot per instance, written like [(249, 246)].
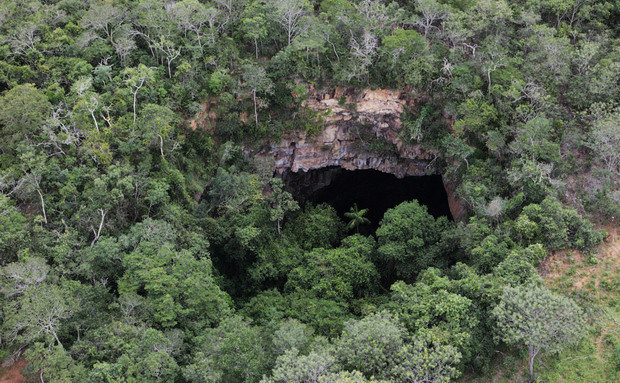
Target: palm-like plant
[(357, 218)]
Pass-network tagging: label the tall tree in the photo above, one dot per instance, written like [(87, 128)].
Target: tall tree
[(255, 81), (280, 202), (289, 14), (136, 79), (538, 319), (371, 344), (198, 19), (356, 217), (605, 138), (38, 313), (408, 238), (255, 23), (431, 12)]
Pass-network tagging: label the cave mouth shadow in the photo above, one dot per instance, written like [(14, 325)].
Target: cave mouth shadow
[(369, 189)]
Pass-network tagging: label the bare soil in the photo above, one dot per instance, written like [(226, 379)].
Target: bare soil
[(12, 373)]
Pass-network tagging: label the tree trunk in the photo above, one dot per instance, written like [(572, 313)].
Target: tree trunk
[(255, 109), (57, 340), (92, 113), (98, 232), (532, 356), (42, 205), (489, 79), (256, 47), (135, 95), (161, 144)]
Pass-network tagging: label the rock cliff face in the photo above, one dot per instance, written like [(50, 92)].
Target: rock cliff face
[(355, 124)]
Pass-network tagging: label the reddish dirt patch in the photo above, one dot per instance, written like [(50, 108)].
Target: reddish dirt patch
[(559, 262), (12, 373)]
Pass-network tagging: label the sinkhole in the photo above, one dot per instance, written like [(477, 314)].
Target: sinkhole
[(369, 189)]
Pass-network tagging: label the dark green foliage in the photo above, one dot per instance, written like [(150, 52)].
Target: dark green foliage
[(408, 239), (356, 217), (370, 142), (22, 110), (316, 226), (558, 227), (13, 232), (234, 351), (433, 312), (337, 274), (425, 126)]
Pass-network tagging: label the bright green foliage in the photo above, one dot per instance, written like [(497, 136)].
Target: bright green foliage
[(432, 311), (558, 227), (154, 126), (316, 226), (489, 252), (342, 273), (235, 350), (255, 81), (517, 268), (294, 368), (477, 115), (348, 377), (291, 334), (255, 23), (539, 320), (535, 140), (22, 110), (408, 239), (12, 230), (325, 316), (52, 364), (371, 344), (136, 79), (407, 54), (422, 362), (178, 286)]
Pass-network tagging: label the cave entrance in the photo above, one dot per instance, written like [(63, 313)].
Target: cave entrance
[(369, 189)]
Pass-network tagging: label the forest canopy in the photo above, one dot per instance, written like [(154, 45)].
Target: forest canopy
[(140, 242)]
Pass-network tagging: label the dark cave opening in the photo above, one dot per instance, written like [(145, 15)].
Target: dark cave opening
[(369, 189)]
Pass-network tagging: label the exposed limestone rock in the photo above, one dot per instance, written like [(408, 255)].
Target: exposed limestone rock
[(352, 121), (345, 139)]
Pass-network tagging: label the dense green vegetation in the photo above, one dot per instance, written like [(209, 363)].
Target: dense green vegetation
[(137, 247)]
